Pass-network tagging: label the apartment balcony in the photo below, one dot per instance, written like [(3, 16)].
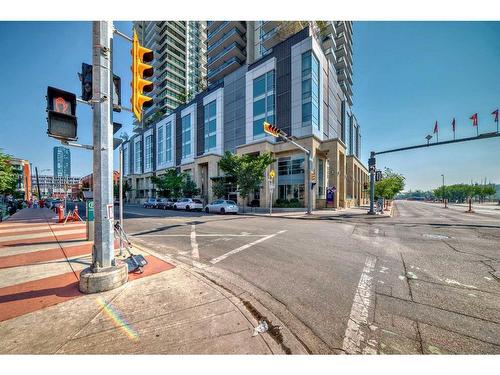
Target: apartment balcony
[(327, 27), (233, 36), (215, 34), (341, 63), (212, 25), (270, 25), (341, 51), (340, 38), (330, 55), (234, 49), (329, 43), (342, 75), (271, 38), (340, 26), (228, 67)]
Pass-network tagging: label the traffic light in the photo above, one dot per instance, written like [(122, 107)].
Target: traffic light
[(271, 129), (140, 71), (61, 110), (313, 176), (86, 79)]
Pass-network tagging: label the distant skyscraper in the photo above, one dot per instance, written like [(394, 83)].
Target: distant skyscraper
[(62, 162), (179, 64)]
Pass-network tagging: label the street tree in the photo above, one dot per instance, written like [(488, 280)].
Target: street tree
[(169, 184), (8, 175), (189, 188), (248, 170), (391, 184), (219, 188)]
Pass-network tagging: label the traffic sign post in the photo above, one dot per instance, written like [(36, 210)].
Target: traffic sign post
[(90, 219)]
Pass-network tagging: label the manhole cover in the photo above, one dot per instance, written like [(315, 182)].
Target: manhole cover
[(436, 236)]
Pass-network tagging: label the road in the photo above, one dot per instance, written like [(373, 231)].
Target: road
[(419, 282)]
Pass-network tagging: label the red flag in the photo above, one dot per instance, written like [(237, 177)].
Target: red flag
[(436, 130), (453, 124), (474, 119), (495, 115)]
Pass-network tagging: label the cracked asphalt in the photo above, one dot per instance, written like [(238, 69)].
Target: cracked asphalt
[(430, 289)]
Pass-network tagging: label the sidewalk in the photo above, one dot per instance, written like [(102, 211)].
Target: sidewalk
[(167, 309), (325, 214)]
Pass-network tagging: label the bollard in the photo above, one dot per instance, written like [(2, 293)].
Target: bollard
[(60, 213)]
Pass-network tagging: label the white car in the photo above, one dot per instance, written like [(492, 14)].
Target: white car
[(222, 206), (188, 204)]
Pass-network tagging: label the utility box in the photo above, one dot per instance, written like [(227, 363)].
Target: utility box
[(90, 219)]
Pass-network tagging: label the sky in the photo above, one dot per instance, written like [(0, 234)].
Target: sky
[(407, 75)]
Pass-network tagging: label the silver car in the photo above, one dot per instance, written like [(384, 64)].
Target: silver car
[(222, 206)]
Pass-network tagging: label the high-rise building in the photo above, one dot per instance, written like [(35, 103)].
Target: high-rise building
[(179, 63), (231, 44), (62, 162), (292, 83)]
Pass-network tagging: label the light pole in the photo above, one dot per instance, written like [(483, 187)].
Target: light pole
[(444, 199)]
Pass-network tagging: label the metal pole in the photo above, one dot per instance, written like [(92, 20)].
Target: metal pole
[(372, 183), (38, 183), (309, 187), (120, 198), (102, 37)]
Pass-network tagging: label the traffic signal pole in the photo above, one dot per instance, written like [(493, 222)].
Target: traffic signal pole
[(104, 273)]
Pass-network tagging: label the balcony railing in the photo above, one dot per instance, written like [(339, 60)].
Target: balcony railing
[(224, 66), (211, 59), (211, 33), (223, 39)]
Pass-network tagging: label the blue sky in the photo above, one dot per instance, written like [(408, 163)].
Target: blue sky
[(407, 75)]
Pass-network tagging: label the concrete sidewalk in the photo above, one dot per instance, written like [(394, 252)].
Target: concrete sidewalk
[(325, 214), (167, 309)]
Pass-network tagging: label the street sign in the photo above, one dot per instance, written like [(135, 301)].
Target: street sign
[(378, 175), (272, 174), (90, 210)]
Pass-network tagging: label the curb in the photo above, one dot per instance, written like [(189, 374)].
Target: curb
[(279, 337)]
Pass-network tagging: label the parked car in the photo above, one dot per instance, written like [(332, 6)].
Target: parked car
[(188, 204), (166, 203), (150, 203), (222, 206)]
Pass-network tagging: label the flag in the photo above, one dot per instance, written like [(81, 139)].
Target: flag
[(453, 124), (474, 119), (436, 130), (495, 115)]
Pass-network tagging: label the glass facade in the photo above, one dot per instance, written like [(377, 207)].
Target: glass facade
[(210, 126), (310, 90), (321, 178), (148, 148), (126, 169), (161, 151), (186, 136), (263, 103), (291, 177), (137, 157), (168, 142)]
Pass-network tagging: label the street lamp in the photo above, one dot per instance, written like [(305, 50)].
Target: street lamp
[(444, 200)]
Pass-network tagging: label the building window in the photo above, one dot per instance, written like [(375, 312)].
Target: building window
[(263, 103), (137, 157), (292, 191), (168, 141), (148, 162), (161, 151), (310, 90), (289, 166), (186, 136), (210, 126)]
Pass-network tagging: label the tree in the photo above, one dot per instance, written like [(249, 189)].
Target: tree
[(189, 188), (169, 184), (116, 188), (219, 188), (391, 184), (248, 170), (8, 175)]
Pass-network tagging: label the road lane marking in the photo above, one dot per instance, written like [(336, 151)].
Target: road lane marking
[(199, 235), (354, 336), (244, 247), (194, 245)]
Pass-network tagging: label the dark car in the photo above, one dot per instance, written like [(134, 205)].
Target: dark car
[(167, 203), (150, 203)]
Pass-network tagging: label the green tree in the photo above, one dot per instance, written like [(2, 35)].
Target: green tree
[(116, 189), (391, 184), (169, 184), (219, 188), (189, 188), (248, 170), (8, 175)]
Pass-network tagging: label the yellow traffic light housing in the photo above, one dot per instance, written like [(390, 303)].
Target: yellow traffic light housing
[(140, 71), (271, 129)]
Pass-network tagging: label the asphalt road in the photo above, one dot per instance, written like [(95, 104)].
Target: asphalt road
[(419, 282)]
